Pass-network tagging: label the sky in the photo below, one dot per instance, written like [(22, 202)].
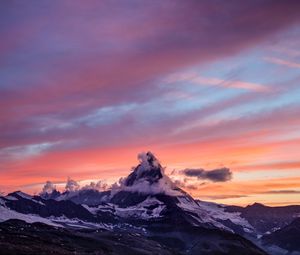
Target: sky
[(207, 86)]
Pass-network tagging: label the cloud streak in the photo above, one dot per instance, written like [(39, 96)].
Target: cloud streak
[(201, 80), (282, 62), (282, 192)]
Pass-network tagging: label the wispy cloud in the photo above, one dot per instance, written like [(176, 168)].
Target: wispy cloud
[(218, 197), (272, 166), (22, 152), (282, 192), (279, 61), (213, 81)]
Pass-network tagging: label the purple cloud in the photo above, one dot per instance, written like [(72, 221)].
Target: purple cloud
[(216, 175)]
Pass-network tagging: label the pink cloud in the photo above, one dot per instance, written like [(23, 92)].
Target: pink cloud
[(279, 61), (213, 81)]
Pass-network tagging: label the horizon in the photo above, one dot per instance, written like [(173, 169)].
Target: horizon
[(211, 88), (79, 186)]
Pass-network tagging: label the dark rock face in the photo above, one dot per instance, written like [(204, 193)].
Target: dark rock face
[(286, 238), (126, 198), (265, 218), (197, 240)]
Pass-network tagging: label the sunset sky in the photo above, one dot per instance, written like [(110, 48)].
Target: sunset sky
[(87, 85)]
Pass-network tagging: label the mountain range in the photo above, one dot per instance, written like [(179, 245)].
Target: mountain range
[(146, 214)]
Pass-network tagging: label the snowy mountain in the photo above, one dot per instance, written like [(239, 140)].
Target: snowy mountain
[(265, 218), (148, 195), (148, 204), (286, 238)]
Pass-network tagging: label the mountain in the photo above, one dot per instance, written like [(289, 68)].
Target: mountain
[(23, 203), (19, 237), (147, 195), (26, 204), (146, 204), (286, 238), (18, 205), (265, 218)]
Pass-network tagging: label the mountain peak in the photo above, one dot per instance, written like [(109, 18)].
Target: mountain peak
[(148, 158), (148, 178), (19, 193), (149, 170), (258, 205)]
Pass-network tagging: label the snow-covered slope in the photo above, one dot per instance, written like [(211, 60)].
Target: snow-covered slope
[(219, 213), (58, 221), (7, 214)]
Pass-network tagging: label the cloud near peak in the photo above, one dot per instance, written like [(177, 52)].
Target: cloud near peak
[(72, 185), (48, 188)]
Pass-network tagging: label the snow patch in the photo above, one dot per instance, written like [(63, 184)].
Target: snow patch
[(24, 195), (11, 198), (141, 211), (217, 212), (148, 209), (76, 223), (7, 214)]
